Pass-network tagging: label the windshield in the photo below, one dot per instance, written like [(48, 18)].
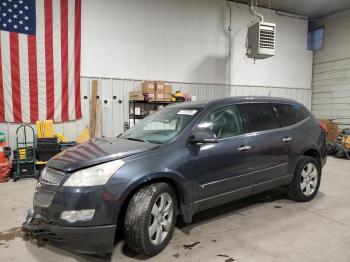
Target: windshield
[(161, 126)]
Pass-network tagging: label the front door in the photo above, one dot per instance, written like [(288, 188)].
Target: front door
[(219, 168)]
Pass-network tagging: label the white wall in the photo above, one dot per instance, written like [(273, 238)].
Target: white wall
[(331, 73), (292, 64), (187, 40), (183, 41)]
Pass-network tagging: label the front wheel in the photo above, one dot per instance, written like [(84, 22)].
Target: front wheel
[(150, 219), (306, 180)]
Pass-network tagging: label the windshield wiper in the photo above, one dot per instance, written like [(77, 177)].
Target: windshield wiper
[(136, 139)]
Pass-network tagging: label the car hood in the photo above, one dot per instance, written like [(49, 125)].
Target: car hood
[(96, 151)]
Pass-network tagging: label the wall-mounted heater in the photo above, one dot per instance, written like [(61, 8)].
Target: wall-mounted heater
[(261, 40), (261, 36)]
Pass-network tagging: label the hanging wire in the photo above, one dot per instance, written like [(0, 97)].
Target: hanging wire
[(268, 12)]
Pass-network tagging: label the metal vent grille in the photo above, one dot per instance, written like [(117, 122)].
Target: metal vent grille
[(43, 198), (267, 38), (52, 177)]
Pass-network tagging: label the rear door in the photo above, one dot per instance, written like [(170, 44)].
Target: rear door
[(291, 117), (268, 152)]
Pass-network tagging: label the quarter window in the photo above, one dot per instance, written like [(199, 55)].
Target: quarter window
[(223, 122), (290, 114), (261, 116)]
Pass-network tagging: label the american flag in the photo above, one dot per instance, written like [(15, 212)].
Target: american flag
[(40, 60)]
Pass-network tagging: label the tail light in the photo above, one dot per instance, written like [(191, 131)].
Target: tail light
[(323, 127)]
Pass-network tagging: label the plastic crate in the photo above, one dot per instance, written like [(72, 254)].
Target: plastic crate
[(46, 155), (25, 169)]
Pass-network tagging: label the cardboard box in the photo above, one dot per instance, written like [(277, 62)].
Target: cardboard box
[(159, 97), (167, 97), (160, 87), (136, 95), (332, 129), (150, 96), (168, 89), (148, 87)]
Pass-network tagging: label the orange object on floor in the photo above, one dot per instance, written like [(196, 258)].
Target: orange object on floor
[(3, 158), (5, 169)]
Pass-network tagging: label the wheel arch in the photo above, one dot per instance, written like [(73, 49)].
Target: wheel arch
[(174, 180), (311, 152), (314, 153)]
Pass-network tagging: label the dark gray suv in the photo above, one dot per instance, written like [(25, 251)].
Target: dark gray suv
[(178, 161)]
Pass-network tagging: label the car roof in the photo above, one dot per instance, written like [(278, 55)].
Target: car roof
[(233, 99)]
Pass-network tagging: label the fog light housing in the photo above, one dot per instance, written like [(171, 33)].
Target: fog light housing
[(73, 216)]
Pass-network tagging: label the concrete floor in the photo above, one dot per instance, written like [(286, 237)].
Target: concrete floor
[(266, 227)]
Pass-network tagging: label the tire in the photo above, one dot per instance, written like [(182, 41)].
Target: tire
[(146, 213), (306, 180), (340, 154)]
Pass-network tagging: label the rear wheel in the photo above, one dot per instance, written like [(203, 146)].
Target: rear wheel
[(150, 219), (306, 180)]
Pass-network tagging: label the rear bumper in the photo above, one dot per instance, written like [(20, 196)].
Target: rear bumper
[(87, 240)]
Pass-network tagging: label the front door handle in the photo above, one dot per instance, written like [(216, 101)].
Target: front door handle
[(244, 148), (287, 139)]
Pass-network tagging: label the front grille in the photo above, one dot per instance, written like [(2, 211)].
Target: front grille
[(52, 177), (43, 198)]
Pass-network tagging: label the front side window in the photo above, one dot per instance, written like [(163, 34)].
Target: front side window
[(261, 116), (223, 122), (290, 114), (161, 126)]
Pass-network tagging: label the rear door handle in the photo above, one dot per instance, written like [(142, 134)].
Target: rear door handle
[(287, 139), (244, 148)]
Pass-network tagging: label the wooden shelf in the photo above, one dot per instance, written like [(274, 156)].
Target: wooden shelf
[(150, 102), (137, 116)]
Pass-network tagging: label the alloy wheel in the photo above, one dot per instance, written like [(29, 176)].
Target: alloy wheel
[(309, 179), (161, 219)]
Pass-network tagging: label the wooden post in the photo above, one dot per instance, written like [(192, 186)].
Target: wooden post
[(93, 101), (98, 120)]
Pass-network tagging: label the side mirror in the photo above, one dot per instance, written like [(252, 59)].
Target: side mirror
[(203, 137)]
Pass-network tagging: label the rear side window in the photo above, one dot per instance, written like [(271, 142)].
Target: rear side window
[(261, 116), (290, 114)]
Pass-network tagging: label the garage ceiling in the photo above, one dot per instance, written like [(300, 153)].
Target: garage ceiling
[(309, 8)]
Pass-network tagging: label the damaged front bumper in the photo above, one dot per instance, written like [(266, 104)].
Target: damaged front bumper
[(87, 240)]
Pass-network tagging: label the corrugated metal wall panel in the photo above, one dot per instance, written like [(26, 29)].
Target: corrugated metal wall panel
[(114, 94), (331, 71)]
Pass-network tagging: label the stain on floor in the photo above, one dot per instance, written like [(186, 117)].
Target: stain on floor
[(229, 259), (11, 234), (191, 245), (3, 245)]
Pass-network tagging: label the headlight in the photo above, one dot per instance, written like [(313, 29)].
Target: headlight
[(73, 216), (42, 172), (94, 176)]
